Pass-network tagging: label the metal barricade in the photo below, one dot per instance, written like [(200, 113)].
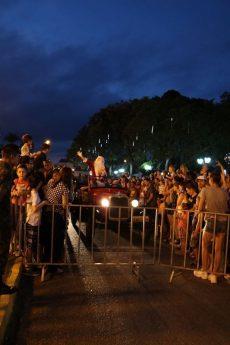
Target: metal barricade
[(86, 235)]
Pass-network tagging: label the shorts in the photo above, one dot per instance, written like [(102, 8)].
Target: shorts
[(221, 226)]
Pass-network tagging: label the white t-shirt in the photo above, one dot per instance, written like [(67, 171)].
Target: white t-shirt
[(25, 150), (33, 217)]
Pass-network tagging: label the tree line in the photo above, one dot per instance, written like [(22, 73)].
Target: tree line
[(171, 127)]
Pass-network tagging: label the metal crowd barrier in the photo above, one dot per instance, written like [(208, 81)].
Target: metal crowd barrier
[(89, 235)]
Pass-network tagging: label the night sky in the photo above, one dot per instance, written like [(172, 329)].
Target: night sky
[(61, 61)]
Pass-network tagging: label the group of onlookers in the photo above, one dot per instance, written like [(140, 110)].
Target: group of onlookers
[(35, 193), (189, 203), (30, 189)]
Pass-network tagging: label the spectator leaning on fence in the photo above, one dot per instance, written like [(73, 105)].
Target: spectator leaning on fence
[(33, 219), (213, 199), (57, 194)]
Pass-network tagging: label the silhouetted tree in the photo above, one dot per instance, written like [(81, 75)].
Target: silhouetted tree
[(159, 129)]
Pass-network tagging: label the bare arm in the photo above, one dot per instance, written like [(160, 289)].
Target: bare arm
[(223, 182), (201, 203), (37, 207), (80, 155)]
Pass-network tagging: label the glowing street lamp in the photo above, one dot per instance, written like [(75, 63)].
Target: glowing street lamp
[(200, 161), (147, 167), (207, 160), (47, 141)]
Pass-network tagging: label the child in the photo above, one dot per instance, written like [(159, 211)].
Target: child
[(27, 145), (20, 187), (19, 194), (33, 218)]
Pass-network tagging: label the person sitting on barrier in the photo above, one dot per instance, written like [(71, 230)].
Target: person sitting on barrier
[(213, 199), (41, 156), (27, 141)]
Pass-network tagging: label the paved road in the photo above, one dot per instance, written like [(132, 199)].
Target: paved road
[(108, 305)]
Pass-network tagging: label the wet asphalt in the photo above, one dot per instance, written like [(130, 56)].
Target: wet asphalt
[(92, 304)]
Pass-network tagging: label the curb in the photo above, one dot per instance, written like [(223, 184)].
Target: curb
[(7, 302)]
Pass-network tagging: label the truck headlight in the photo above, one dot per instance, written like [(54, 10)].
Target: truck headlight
[(134, 203), (105, 202)]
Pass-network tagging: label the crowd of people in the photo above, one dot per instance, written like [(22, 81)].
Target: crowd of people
[(35, 192), (190, 205)]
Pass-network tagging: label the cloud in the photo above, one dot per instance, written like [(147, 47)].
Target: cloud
[(54, 93)]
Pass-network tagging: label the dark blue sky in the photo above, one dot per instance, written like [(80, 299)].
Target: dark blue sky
[(61, 61)]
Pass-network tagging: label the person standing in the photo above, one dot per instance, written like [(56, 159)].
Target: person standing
[(19, 193), (214, 201), (33, 220), (10, 158), (54, 219)]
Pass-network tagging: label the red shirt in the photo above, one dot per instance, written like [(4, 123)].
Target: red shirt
[(20, 186)]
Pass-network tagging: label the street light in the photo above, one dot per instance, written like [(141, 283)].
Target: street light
[(200, 161), (207, 160), (47, 141), (147, 167)]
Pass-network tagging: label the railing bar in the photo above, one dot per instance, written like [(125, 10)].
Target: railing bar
[(52, 234), (227, 247), (186, 238)]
